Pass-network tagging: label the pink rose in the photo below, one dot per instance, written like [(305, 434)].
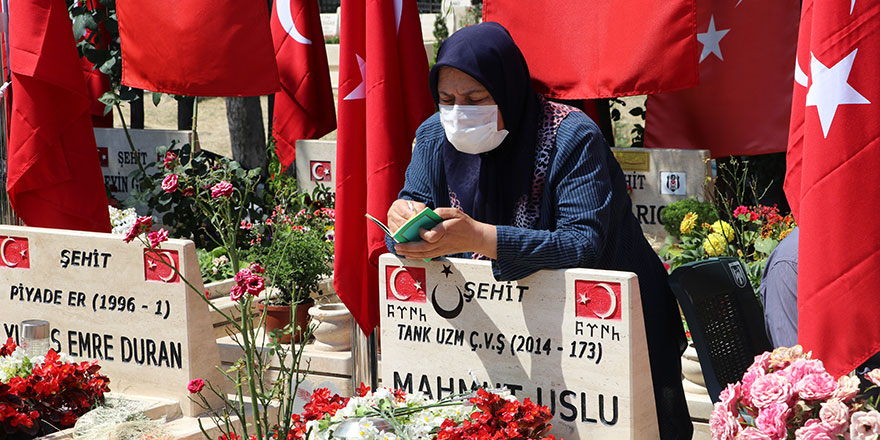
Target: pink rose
[(722, 423), (169, 185), (813, 430), (802, 367), (255, 285), (834, 416), (771, 388), (729, 396), (865, 425), (752, 433), (195, 386), (771, 420), (847, 388), (874, 376), (222, 189), (157, 237), (256, 268), (236, 292), (140, 225), (242, 276), (169, 159), (752, 374), (816, 386)]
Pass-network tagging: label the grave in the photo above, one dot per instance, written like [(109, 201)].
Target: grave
[(114, 302), (118, 161), (660, 176), (572, 340), (315, 164)]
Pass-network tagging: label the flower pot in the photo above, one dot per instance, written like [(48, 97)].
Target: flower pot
[(333, 332), (278, 316), (693, 373)]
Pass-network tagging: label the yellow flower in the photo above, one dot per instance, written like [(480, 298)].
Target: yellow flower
[(706, 226), (688, 223), (784, 233), (714, 244), (724, 229)]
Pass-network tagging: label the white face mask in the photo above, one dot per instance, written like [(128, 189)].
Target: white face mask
[(472, 129)]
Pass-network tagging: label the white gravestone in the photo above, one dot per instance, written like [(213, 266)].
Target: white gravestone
[(315, 164), (573, 340), (118, 161), (112, 301), (660, 176)]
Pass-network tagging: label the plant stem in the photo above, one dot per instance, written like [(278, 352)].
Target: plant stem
[(134, 151), (249, 366)]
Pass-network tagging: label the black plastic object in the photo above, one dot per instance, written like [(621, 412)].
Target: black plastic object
[(724, 316)]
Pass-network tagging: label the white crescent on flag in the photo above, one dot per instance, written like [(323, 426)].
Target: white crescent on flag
[(799, 76), (286, 19)]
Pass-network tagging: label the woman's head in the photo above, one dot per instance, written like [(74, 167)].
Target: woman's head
[(481, 65)]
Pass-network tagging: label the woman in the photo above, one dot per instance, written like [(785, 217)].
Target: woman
[(531, 185)]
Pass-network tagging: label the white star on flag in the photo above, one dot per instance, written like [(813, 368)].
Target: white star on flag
[(852, 6), (740, 1), (418, 285), (830, 89), (359, 92), (583, 299), (710, 40)]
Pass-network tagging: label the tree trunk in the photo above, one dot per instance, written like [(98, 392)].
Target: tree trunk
[(246, 134)]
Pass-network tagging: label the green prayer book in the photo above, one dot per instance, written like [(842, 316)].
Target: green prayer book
[(409, 231)]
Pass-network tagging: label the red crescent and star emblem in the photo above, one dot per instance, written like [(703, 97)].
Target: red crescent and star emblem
[(158, 270), (14, 252), (405, 284), (595, 299)]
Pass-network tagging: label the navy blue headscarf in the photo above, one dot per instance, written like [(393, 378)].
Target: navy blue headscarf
[(488, 185)]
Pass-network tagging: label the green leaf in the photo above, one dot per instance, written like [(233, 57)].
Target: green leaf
[(765, 245), (107, 68), (157, 98), (108, 98)]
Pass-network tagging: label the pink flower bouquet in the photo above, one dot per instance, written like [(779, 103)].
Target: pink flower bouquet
[(787, 395)]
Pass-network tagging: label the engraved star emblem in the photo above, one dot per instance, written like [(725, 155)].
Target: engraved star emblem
[(418, 285), (447, 270), (583, 299), (153, 265), (23, 254)]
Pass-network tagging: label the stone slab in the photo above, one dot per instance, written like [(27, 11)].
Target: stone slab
[(315, 164), (118, 161), (572, 340), (660, 176), (110, 301)]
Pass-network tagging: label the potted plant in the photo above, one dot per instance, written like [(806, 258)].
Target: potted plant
[(297, 252)]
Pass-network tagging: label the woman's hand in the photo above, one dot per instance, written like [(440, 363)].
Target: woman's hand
[(457, 233), (401, 211)]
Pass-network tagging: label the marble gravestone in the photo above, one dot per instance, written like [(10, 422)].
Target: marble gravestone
[(315, 164), (118, 161), (112, 301), (573, 340), (660, 176)]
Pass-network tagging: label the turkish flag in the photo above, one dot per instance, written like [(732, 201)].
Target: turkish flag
[(600, 49), (304, 107), (383, 97), (197, 47), (54, 178), (833, 155), (742, 105)]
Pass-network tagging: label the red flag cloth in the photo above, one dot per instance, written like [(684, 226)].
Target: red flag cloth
[(97, 82), (54, 178), (383, 97), (600, 49), (197, 47), (304, 107), (836, 134), (743, 103)]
